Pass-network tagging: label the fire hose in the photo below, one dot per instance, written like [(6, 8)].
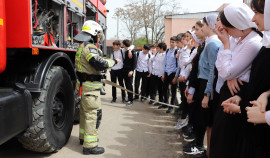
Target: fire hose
[(122, 88)]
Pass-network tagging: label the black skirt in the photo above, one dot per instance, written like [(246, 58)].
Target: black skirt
[(226, 134)]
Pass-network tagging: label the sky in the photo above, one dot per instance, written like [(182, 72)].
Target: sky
[(191, 6)]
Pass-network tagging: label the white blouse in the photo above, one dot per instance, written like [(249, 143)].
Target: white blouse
[(236, 62), (185, 71)]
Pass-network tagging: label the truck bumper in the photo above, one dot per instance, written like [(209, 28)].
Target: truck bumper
[(15, 111)]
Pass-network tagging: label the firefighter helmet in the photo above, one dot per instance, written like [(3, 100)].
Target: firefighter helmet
[(89, 31)]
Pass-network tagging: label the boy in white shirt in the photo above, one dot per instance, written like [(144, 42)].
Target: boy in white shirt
[(156, 72), (116, 70), (142, 71)]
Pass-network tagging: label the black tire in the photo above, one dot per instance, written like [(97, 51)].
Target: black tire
[(53, 114)]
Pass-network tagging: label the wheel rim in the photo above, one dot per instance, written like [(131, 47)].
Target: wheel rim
[(59, 110)]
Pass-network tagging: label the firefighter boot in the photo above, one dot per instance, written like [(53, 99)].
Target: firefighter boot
[(95, 151)]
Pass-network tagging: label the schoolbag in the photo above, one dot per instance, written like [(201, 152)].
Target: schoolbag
[(138, 53), (121, 54)]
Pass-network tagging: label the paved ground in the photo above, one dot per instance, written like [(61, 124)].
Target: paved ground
[(140, 131)]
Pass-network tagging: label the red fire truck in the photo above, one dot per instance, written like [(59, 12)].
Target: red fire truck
[(38, 101)]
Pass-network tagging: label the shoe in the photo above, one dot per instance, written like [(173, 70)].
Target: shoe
[(142, 99), (129, 103), (150, 102), (194, 150), (189, 145), (136, 97), (181, 123), (113, 101), (170, 109), (157, 104), (190, 138), (162, 107), (203, 155), (81, 141), (96, 150), (124, 100)]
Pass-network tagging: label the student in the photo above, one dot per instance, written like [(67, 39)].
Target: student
[(128, 69), (233, 61), (192, 97), (142, 71), (255, 142), (116, 70), (257, 113), (169, 75), (157, 71), (205, 90), (152, 52)]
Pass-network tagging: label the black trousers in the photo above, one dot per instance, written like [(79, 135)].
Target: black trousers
[(138, 77), (184, 105), (203, 115), (147, 89), (128, 83), (156, 85), (167, 82), (117, 75)]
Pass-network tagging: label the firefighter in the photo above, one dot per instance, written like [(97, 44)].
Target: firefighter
[(89, 66)]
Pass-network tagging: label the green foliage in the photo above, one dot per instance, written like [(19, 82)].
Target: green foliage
[(140, 42)]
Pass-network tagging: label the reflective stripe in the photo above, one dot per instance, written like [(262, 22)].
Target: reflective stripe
[(110, 63), (93, 85), (89, 56), (1, 22), (78, 3), (86, 28), (90, 138), (78, 58), (81, 131), (91, 46)]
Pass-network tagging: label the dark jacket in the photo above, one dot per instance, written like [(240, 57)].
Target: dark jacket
[(129, 64)]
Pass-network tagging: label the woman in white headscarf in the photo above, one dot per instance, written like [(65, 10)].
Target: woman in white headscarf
[(256, 138), (205, 89), (241, 44)]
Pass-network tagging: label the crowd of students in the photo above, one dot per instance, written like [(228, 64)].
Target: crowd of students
[(222, 71)]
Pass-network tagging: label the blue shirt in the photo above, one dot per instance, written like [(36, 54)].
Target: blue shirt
[(170, 62), (207, 64)]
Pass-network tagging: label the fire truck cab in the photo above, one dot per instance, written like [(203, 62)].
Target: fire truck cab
[(38, 100)]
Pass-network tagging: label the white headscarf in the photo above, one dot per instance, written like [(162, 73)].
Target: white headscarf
[(195, 37), (266, 34), (211, 20), (240, 16)]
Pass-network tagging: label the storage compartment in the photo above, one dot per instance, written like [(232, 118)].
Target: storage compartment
[(47, 22), (56, 22)]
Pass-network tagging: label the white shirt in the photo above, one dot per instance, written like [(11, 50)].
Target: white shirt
[(187, 66), (143, 62), (117, 54), (184, 57), (157, 64), (236, 62)]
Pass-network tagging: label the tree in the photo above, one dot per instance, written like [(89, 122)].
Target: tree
[(130, 19), (147, 15)]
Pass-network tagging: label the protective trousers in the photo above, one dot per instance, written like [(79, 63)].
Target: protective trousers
[(90, 116)]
